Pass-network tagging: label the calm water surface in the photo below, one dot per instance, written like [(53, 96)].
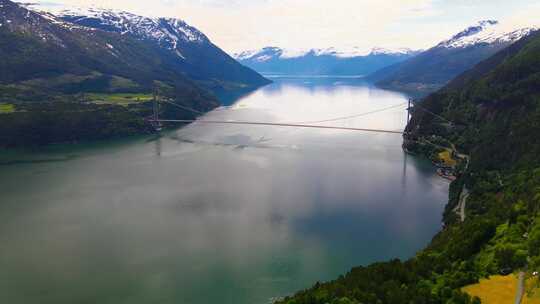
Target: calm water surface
[(218, 214)]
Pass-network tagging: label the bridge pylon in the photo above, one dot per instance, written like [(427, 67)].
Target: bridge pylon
[(155, 111), (409, 111)]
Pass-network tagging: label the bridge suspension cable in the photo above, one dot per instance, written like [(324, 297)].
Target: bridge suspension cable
[(356, 115), (232, 122), (311, 124), (183, 107), (429, 112)]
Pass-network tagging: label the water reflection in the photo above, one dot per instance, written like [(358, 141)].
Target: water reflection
[(219, 214), (404, 174), (158, 147)]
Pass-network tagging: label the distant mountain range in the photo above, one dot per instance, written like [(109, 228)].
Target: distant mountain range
[(89, 74), (331, 61), (433, 68)]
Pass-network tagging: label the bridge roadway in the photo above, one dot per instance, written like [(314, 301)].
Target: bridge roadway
[(295, 125)]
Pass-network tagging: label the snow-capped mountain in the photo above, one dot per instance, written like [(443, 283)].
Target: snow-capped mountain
[(196, 55), (328, 61), (432, 69), (264, 53), (167, 32), (56, 59), (486, 32)]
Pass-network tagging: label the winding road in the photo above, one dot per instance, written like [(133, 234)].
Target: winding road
[(462, 203), (520, 288)]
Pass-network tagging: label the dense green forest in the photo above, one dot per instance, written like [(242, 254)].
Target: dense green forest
[(491, 113), (84, 117)]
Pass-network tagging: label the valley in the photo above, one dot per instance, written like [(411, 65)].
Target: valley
[(303, 163), (218, 213)]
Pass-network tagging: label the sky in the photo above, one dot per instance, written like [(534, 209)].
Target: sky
[(238, 25)]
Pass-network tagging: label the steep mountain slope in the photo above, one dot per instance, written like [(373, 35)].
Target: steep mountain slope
[(433, 68), (498, 101), (181, 46), (38, 48), (46, 64), (491, 113), (354, 62)]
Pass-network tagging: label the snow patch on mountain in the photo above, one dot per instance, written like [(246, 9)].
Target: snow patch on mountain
[(168, 32), (268, 53), (486, 32), (346, 52)]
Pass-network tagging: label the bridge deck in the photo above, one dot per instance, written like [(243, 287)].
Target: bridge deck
[(276, 125)]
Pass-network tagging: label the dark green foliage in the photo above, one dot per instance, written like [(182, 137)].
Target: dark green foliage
[(509, 257), (68, 122)]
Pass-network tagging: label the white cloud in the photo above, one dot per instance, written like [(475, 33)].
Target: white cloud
[(303, 23), (528, 15)]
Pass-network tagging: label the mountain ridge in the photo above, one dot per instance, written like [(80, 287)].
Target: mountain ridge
[(433, 68), (329, 61), (331, 51), (196, 55)]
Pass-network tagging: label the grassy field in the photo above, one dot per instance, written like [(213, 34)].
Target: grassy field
[(118, 83), (446, 157), (495, 290), (122, 99), (532, 295), (6, 108)]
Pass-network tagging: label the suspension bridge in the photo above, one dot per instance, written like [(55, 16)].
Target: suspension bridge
[(157, 122)]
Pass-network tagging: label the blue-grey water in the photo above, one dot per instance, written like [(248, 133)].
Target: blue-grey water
[(218, 213)]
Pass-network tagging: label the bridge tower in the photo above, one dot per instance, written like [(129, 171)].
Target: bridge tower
[(155, 111), (409, 111)]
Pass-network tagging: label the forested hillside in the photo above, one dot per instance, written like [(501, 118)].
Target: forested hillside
[(64, 81), (492, 114)]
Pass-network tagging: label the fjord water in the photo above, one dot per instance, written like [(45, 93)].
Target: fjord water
[(218, 213)]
